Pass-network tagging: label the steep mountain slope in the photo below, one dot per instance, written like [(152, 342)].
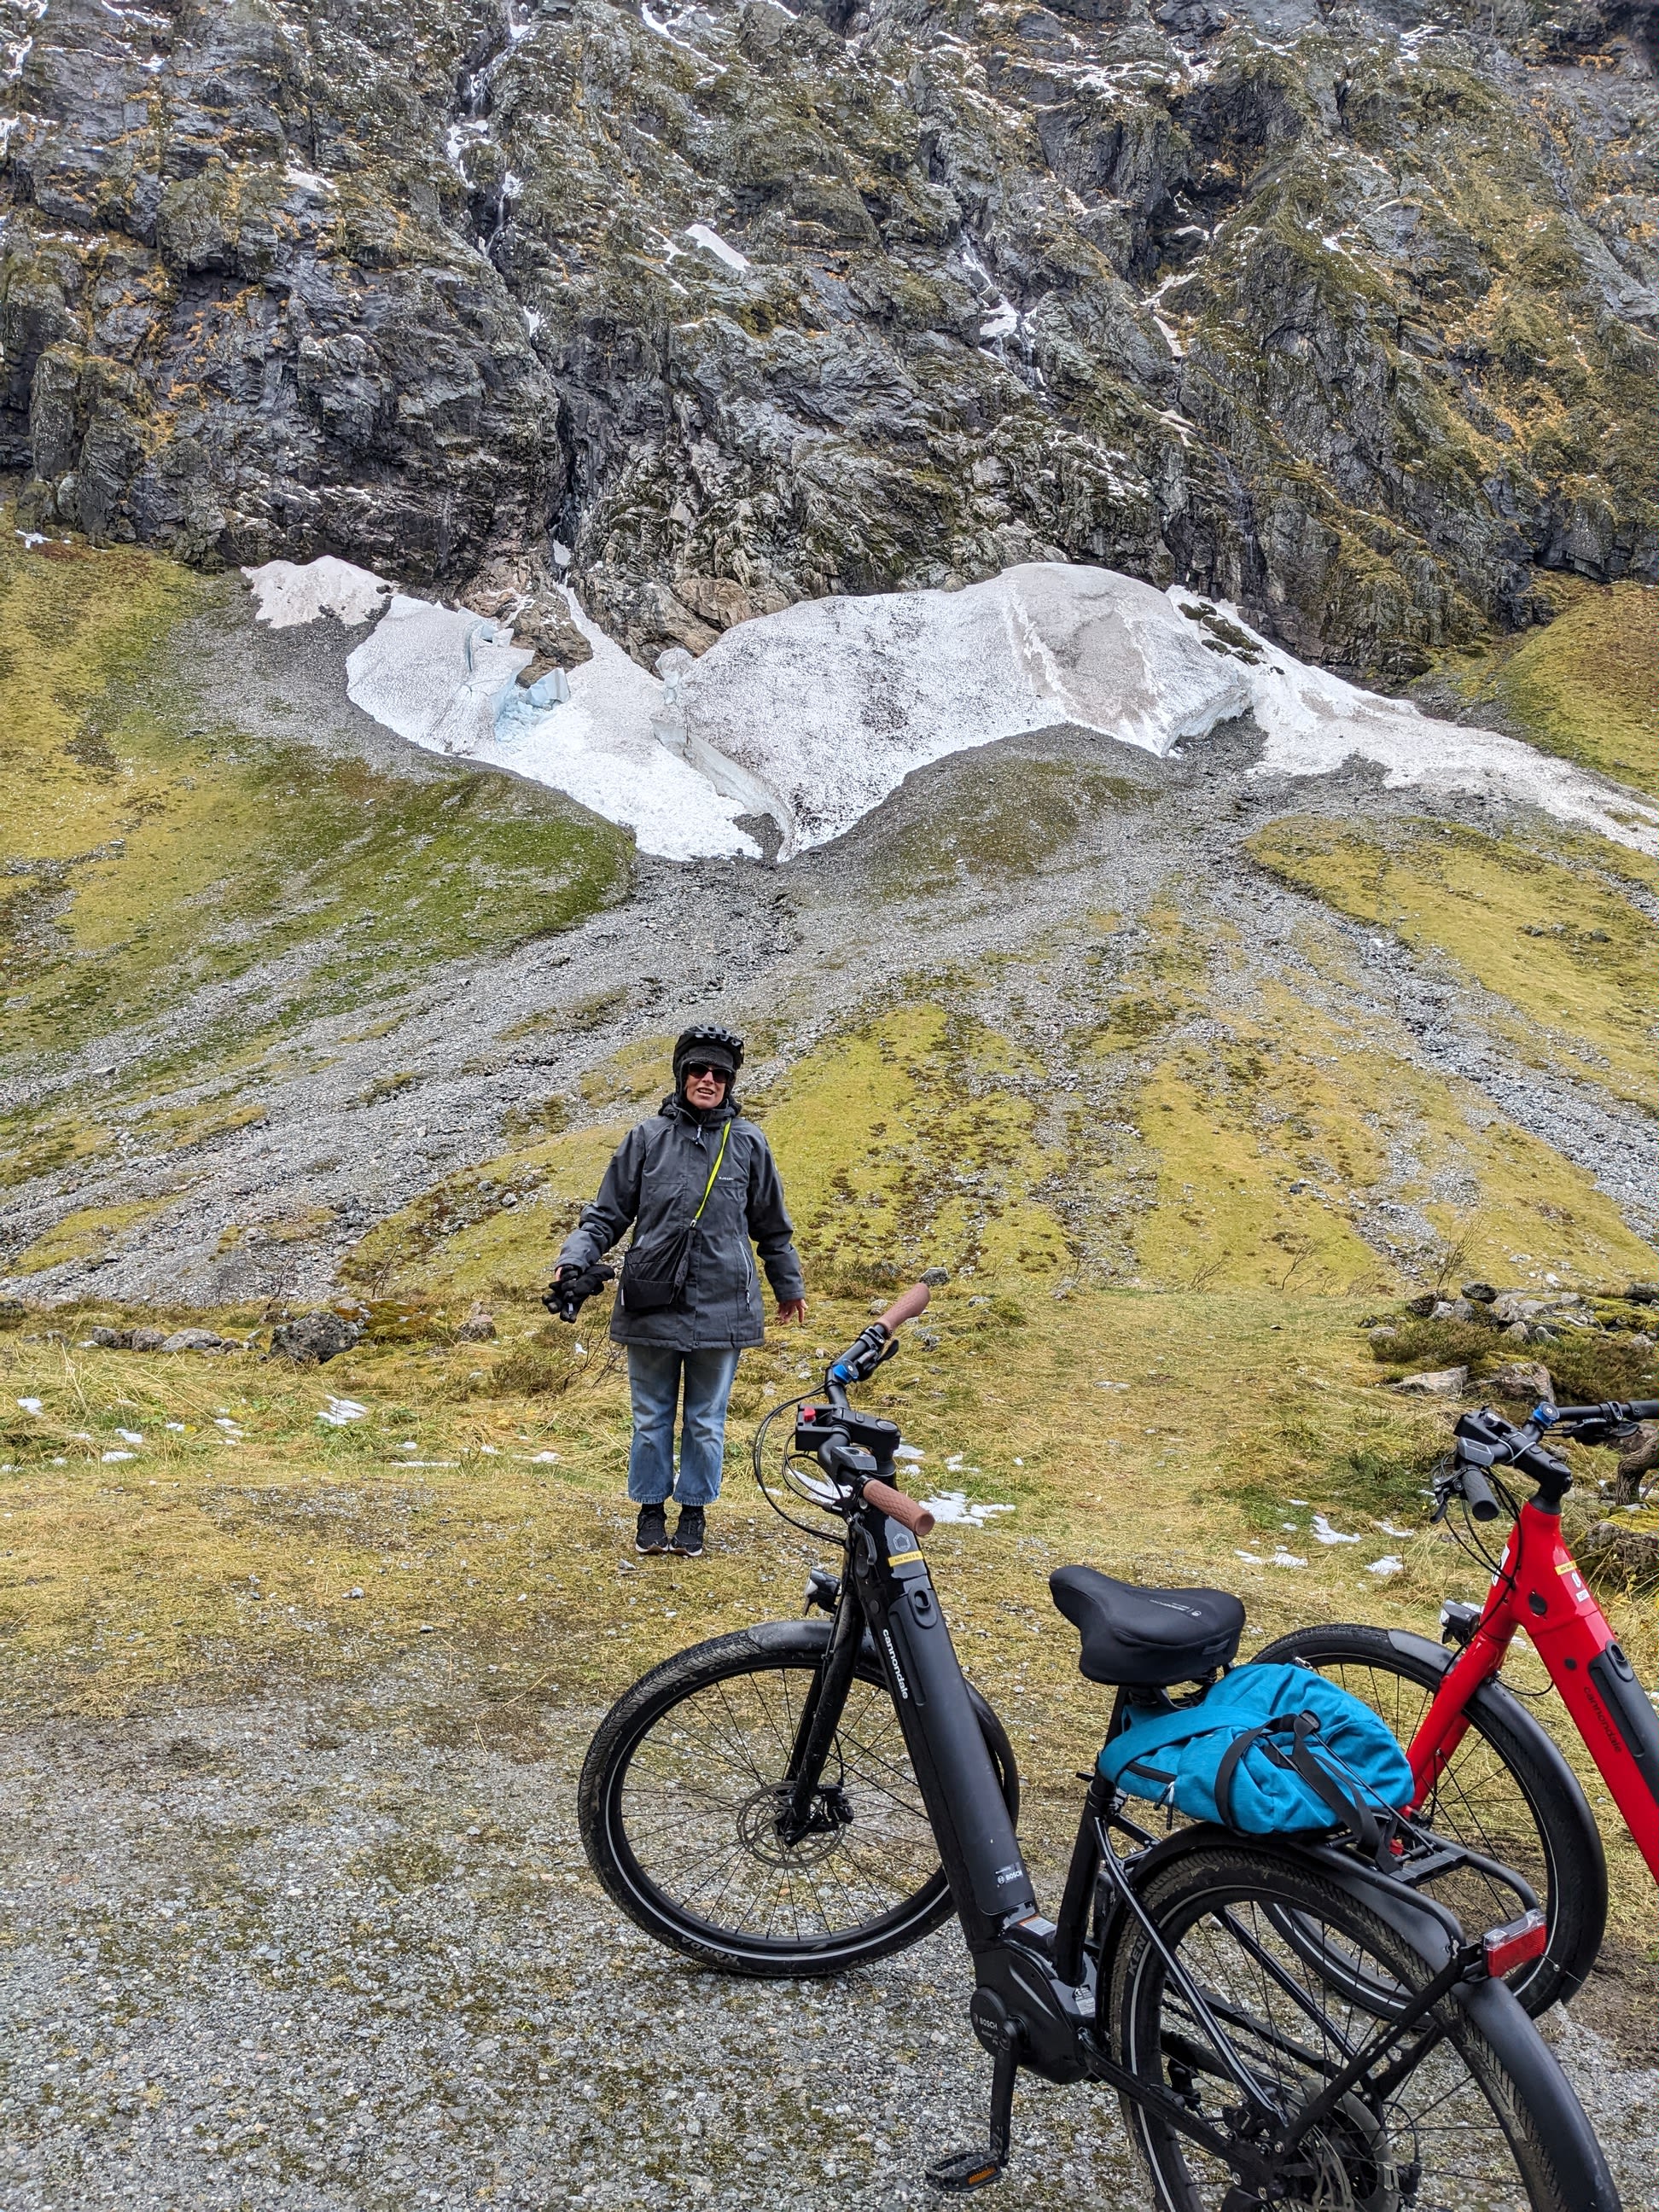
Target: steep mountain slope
[(288, 995), (1344, 315)]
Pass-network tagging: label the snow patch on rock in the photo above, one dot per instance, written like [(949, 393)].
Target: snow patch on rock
[(815, 714), (1314, 723), (828, 707), (448, 681), (289, 592)]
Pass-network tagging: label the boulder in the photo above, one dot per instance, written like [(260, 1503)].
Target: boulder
[(1423, 1305), (149, 1340), (112, 1339), (1643, 1294), (1479, 1294), (312, 1339), (195, 1340), (1437, 1383), (479, 1327), (936, 1278), (1630, 1553), (1525, 1378), (13, 1313), (1453, 1310)]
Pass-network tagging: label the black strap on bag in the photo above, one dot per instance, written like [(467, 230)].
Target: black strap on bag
[(651, 1284), (1351, 1811)]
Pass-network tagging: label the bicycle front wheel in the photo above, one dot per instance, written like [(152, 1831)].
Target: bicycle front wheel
[(1506, 1792), (681, 1795), (1295, 1976)]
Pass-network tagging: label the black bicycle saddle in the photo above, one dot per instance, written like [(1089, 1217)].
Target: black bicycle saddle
[(1147, 1639)]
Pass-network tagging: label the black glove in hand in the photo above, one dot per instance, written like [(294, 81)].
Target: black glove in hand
[(568, 1293)]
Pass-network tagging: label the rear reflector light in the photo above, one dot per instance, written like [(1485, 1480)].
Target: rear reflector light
[(1517, 1941)]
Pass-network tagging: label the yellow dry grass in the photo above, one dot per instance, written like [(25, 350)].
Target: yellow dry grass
[(477, 1501)]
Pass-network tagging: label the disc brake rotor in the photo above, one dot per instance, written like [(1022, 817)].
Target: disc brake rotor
[(760, 1816)]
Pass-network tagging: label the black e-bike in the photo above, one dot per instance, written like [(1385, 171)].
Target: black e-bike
[(1285, 2021)]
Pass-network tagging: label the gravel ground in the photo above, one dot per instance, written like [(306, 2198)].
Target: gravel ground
[(341, 1950)]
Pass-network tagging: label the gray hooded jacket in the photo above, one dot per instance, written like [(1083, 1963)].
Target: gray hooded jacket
[(655, 1178)]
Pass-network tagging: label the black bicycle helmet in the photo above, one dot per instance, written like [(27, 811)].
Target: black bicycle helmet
[(707, 1041)]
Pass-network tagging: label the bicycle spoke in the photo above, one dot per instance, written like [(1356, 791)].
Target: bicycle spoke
[(705, 1789)]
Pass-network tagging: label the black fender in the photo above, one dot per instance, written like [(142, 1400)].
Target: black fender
[(1547, 2095), (1434, 1934)]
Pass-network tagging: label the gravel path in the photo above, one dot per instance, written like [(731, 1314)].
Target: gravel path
[(342, 1950)]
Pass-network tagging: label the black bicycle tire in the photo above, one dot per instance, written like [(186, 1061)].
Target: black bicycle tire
[(1555, 2151), (1569, 1839), (799, 1643)]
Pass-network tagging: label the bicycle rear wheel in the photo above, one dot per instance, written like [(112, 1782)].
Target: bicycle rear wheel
[(680, 1795), (1506, 1792), (1483, 2122)]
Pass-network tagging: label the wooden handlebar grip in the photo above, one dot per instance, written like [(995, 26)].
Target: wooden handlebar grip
[(914, 1301), (897, 1507)]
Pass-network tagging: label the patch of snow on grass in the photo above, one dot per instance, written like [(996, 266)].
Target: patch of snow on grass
[(289, 592), (340, 1412), (955, 1505), (1390, 1565), (1287, 1559), (1326, 1534)]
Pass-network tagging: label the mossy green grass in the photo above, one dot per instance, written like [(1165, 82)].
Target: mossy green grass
[(154, 853), (1550, 930), (1587, 685)]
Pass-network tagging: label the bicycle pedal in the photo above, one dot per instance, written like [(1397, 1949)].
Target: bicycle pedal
[(962, 2171)]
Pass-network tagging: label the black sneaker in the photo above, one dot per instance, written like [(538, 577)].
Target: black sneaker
[(652, 1533), (688, 1537)]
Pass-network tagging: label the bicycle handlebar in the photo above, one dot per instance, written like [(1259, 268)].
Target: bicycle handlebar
[(897, 1507), (905, 1307), (1477, 1495), (1638, 1409)]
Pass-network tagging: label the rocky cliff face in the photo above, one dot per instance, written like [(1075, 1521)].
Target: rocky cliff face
[(1346, 313)]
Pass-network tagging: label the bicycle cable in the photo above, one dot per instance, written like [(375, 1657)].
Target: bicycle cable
[(756, 1452)]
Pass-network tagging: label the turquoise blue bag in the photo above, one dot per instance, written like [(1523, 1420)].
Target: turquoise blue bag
[(1270, 1750)]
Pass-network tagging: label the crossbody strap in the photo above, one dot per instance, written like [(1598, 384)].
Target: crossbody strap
[(713, 1172)]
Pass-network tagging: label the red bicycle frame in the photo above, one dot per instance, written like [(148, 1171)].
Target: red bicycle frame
[(1539, 1588)]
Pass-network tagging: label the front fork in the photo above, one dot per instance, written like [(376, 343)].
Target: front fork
[(820, 1718)]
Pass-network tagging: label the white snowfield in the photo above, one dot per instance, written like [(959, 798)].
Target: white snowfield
[(829, 705), (815, 714), (448, 681), (288, 593)]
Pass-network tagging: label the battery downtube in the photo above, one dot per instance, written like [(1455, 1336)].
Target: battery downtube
[(947, 1744)]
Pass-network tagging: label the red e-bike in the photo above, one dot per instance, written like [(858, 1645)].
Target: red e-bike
[(1488, 1773)]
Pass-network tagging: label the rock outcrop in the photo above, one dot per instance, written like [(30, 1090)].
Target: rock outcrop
[(1348, 322)]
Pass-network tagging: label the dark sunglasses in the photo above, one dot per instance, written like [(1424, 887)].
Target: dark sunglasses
[(703, 1068)]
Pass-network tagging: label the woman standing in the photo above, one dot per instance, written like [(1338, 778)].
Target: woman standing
[(700, 1186)]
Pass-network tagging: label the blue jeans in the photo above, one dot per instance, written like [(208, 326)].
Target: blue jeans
[(653, 1385)]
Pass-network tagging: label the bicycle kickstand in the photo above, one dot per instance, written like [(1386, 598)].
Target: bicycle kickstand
[(961, 2171)]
